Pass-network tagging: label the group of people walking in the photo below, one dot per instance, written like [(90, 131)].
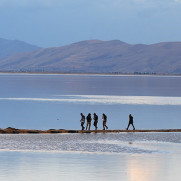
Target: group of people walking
[(95, 118), (104, 121)]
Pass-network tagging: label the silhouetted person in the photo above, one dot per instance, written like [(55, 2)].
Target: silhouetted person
[(95, 120), (89, 119), (104, 119), (82, 121), (130, 122)]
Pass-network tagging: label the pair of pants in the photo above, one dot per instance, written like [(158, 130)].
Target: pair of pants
[(95, 124), (82, 125), (129, 125), (88, 125), (104, 125)]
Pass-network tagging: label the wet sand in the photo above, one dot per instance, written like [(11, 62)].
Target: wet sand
[(10, 130)]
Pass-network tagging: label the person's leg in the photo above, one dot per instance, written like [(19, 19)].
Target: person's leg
[(103, 125), (82, 124), (89, 126), (106, 126), (133, 126), (128, 126)]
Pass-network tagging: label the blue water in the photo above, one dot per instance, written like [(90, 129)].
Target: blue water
[(55, 101)]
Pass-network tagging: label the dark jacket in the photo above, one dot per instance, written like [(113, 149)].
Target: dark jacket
[(89, 118), (131, 119)]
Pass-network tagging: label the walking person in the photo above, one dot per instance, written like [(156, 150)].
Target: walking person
[(89, 119), (82, 121), (95, 120), (130, 122), (104, 119)]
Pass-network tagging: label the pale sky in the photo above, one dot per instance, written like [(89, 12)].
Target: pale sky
[(49, 23)]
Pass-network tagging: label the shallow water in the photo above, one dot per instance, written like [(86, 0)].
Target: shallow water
[(132, 143), (100, 157)]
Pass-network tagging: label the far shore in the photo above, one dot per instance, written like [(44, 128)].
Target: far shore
[(90, 73), (10, 130)]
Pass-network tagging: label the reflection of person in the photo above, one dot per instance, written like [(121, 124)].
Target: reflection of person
[(89, 119), (130, 122), (104, 119), (95, 120), (82, 121)]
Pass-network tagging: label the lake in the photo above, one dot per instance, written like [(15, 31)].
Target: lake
[(37, 101)]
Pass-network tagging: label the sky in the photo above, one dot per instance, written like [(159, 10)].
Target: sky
[(50, 23)]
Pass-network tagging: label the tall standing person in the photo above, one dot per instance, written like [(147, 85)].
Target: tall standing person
[(95, 120), (104, 121), (130, 122), (89, 119), (82, 121)]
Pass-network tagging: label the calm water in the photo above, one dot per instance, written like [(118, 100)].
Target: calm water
[(101, 157), (55, 101)]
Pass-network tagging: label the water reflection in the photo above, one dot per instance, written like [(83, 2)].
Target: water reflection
[(26, 166), (143, 168)]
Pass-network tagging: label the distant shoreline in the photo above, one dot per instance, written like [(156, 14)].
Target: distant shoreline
[(10, 130), (89, 73)]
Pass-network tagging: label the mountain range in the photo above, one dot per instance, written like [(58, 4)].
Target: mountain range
[(96, 56)]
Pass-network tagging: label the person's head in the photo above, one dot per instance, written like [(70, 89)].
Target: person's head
[(129, 115), (81, 114), (94, 114)]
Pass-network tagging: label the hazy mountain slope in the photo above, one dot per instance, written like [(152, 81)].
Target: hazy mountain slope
[(10, 47), (100, 56)]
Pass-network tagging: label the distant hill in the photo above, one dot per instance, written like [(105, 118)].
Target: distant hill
[(11, 47), (98, 56)]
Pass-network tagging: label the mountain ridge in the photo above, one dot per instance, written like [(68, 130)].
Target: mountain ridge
[(97, 56)]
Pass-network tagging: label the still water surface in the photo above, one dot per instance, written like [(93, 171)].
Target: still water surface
[(55, 101)]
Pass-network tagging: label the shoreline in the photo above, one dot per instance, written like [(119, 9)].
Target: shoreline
[(10, 130), (91, 73)]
